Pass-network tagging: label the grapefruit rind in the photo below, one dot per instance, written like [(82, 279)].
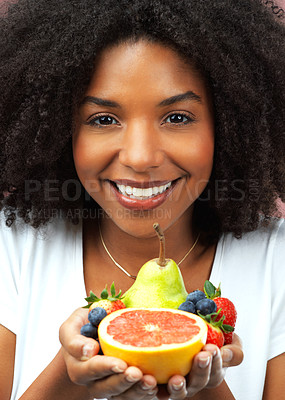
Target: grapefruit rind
[(161, 361)]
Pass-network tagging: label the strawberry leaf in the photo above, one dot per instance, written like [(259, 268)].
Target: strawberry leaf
[(104, 294), (113, 291), (227, 328), (209, 289), (218, 291), (92, 297), (211, 319), (215, 315)]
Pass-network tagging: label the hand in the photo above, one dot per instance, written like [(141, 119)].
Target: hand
[(208, 370), (105, 377)]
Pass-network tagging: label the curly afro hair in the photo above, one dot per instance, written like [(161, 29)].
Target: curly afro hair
[(47, 58)]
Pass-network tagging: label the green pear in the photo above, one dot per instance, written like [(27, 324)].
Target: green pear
[(159, 282)]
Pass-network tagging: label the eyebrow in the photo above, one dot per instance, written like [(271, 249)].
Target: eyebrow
[(100, 102), (167, 102), (181, 97)]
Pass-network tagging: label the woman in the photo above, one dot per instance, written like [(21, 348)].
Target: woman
[(116, 117)]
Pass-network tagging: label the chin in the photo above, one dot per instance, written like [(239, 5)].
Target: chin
[(143, 228)]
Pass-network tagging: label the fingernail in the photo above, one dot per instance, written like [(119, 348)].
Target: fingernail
[(177, 386), (151, 393), (145, 386), (204, 362), (227, 355), (87, 352), (117, 369), (132, 379)]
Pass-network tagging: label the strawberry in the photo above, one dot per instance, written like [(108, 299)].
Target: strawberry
[(226, 311), (228, 337), (216, 328), (109, 303), (215, 335)]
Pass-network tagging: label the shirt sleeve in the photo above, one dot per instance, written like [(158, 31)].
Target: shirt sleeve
[(11, 244), (277, 337)]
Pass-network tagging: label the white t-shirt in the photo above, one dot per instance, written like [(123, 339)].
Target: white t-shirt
[(42, 283)]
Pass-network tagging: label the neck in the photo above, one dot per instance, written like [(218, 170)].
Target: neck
[(132, 252)]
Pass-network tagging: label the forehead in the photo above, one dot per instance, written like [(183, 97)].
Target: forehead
[(143, 63)]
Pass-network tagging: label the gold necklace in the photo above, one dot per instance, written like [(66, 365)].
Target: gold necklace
[(126, 272)]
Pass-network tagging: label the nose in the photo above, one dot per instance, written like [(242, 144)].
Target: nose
[(140, 147)]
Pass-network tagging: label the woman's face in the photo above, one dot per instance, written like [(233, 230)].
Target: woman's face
[(144, 136)]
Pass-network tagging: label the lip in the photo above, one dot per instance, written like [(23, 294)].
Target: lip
[(142, 205)]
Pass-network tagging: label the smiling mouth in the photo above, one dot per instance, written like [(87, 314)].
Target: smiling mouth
[(142, 196), (138, 193)]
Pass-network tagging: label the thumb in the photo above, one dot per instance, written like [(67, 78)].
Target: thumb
[(232, 354), (75, 344)]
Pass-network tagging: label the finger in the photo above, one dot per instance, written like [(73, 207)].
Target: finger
[(177, 387), (232, 354), (98, 367), (145, 389), (217, 371), (73, 342), (130, 396), (115, 385), (176, 384), (200, 373)]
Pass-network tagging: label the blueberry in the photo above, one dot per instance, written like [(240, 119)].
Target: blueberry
[(100, 349), (187, 306), (96, 315), (206, 306), (196, 296), (89, 330)]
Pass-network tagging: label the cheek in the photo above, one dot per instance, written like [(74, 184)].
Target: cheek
[(198, 162), (87, 161), (88, 157), (198, 155), (204, 154)]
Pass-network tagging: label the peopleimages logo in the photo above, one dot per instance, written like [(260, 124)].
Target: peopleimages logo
[(72, 190)]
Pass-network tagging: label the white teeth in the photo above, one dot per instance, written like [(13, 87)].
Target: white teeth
[(147, 192), (142, 194), (129, 190), (137, 192), (155, 190)]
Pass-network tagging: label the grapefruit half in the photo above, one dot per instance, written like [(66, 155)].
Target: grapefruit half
[(161, 342)]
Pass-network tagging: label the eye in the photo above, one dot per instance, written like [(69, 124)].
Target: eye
[(102, 120), (179, 118)]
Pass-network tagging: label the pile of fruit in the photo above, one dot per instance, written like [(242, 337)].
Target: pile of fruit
[(218, 312), (160, 341), (157, 326), (99, 308)]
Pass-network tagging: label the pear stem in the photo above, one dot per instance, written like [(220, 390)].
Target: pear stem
[(161, 260)]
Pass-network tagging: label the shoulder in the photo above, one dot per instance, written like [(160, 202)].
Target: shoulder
[(251, 271), (21, 237), (12, 238), (34, 260), (265, 240), (256, 258)]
